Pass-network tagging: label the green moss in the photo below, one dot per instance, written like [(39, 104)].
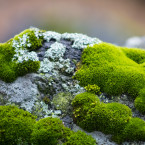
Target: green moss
[(109, 67), (133, 131), (80, 138), (27, 67), (7, 67), (82, 103), (31, 39), (93, 88), (92, 115), (140, 101), (112, 118), (10, 70), (47, 130), (15, 124)]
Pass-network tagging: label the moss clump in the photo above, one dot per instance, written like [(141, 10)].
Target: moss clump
[(27, 67), (111, 118), (133, 131), (112, 69), (29, 39), (47, 130), (7, 67), (15, 124), (10, 69), (80, 138), (82, 103), (92, 115), (140, 101), (51, 131), (93, 88)]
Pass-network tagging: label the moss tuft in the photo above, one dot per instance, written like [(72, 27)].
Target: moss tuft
[(133, 131), (15, 124), (93, 88), (28, 36), (47, 130), (80, 138), (91, 114), (140, 101)]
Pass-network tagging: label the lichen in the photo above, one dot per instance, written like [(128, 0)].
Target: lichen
[(80, 41)]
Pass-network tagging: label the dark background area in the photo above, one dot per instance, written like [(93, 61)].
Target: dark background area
[(109, 20)]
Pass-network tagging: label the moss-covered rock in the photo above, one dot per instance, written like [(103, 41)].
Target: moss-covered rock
[(112, 118), (15, 125), (28, 39), (114, 69), (15, 58)]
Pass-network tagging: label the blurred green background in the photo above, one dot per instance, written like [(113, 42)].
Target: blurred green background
[(110, 20)]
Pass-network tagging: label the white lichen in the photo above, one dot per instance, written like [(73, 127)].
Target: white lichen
[(51, 35), (22, 54), (80, 41), (56, 51)]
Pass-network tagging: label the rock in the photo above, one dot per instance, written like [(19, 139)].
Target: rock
[(62, 101), (100, 137), (58, 57)]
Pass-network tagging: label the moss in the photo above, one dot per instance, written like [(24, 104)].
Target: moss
[(80, 138), (9, 69), (31, 38), (92, 115), (112, 118), (49, 130), (15, 124), (27, 67), (93, 88), (140, 101), (20, 127), (109, 67), (133, 131), (82, 103)]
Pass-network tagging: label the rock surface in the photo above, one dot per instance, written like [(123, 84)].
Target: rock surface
[(43, 93)]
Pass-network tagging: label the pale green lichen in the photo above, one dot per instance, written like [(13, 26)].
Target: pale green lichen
[(62, 101)]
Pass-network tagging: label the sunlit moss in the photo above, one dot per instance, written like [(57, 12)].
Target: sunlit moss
[(114, 69)]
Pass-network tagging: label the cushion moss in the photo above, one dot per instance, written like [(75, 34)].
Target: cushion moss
[(92, 115), (140, 101), (15, 124), (112, 118), (112, 69)]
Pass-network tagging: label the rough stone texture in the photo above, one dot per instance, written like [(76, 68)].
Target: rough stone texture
[(58, 56), (100, 138)]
